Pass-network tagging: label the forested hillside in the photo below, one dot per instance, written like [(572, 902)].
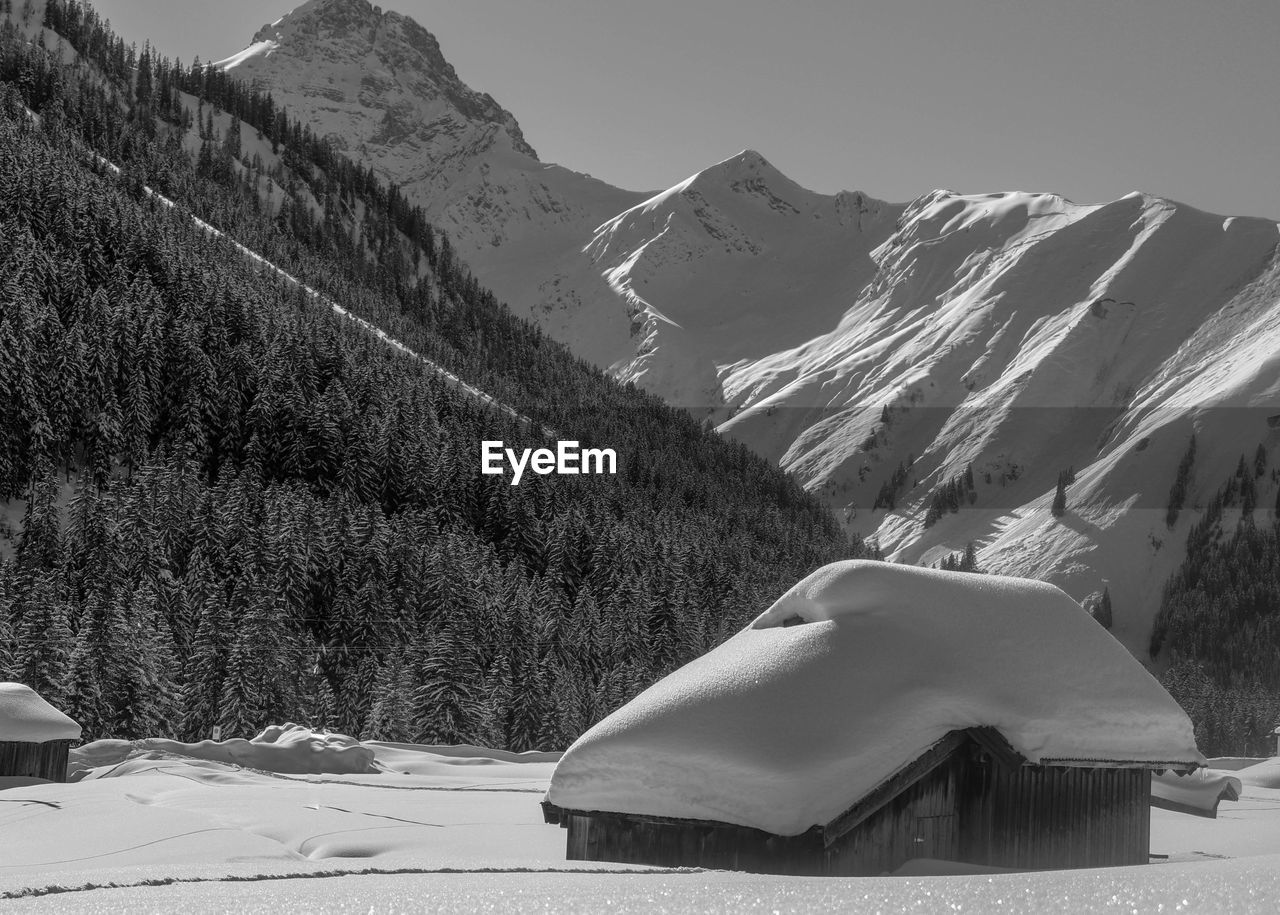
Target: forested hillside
[(1219, 618), (231, 505)]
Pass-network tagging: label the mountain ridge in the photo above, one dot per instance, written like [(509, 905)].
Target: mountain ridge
[(1017, 336)]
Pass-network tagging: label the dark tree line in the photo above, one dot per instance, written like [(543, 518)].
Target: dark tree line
[(961, 562), (237, 506)]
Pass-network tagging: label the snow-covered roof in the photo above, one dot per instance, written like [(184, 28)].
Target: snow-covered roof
[(27, 718), (785, 727)]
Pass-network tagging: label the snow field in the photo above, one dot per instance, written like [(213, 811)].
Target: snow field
[(466, 828)]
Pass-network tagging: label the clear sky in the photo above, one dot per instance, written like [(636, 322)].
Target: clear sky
[(1086, 98)]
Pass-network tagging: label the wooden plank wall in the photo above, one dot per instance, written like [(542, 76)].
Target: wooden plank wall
[(970, 808), (36, 760), (1055, 817), (922, 822), (640, 840)]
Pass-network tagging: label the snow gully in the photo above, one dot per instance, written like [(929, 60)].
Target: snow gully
[(568, 459)]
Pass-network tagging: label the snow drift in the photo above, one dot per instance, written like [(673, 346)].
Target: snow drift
[(1198, 793), (785, 726), (288, 749)]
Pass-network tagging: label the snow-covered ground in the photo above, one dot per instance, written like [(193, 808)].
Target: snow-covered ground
[(460, 829)]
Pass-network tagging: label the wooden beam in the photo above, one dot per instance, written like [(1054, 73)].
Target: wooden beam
[(995, 743), (892, 786), (564, 813), (1181, 767)]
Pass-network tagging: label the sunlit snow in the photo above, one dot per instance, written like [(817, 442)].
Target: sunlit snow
[(459, 829)]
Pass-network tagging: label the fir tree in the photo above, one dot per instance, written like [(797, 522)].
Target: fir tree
[(1181, 482), (445, 700), (43, 639), (1059, 507)]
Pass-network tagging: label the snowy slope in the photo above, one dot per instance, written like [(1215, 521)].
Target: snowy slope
[(728, 267), (1025, 335), (1019, 333)]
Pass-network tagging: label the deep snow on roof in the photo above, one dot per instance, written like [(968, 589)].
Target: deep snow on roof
[(27, 718), (782, 728)]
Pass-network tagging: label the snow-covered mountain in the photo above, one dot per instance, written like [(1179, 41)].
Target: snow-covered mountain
[(1014, 335), (1017, 335), (377, 85)]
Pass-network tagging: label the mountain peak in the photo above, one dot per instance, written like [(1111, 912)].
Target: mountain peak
[(745, 164), (347, 53), (317, 14)]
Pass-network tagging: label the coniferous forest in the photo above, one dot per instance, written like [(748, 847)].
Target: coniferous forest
[(1220, 615), (227, 505)]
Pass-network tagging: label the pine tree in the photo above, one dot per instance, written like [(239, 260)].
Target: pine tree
[(137, 681), (260, 683), (143, 81), (446, 705), (206, 666), (86, 700), (232, 145), (1059, 507), (391, 713), (40, 543), (43, 638), (8, 637), (1181, 483)]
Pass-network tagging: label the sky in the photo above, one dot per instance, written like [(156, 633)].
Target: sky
[(1091, 99)]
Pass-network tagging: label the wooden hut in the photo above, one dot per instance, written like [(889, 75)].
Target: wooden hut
[(35, 737), (970, 797), (912, 714)]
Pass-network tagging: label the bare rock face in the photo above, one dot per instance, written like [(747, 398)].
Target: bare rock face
[(356, 63)]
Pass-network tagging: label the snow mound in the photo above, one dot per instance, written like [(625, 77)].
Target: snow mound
[(785, 726), (26, 717), (1265, 774), (290, 749), (1197, 793)]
